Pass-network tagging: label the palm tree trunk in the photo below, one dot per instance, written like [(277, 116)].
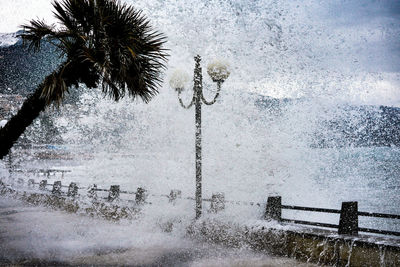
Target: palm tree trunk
[(15, 127)]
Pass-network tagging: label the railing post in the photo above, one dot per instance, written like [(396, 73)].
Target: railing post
[(114, 193), (217, 202), (43, 184), (273, 209), (92, 193), (348, 223), (140, 195), (56, 188), (72, 190), (174, 194), (31, 182)]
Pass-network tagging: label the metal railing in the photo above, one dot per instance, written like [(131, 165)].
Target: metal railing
[(348, 222)]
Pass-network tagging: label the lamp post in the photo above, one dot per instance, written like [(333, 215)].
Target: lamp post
[(218, 72)]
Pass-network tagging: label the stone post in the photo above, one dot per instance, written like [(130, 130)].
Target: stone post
[(113, 193), (72, 190), (348, 223), (43, 184), (140, 195), (217, 202), (92, 192), (274, 208), (174, 195), (31, 182), (56, 188)]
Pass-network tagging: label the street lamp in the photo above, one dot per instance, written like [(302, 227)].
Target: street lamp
[(218, 72)]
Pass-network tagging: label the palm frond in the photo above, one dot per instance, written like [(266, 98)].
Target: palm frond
[(54, 87), (34, 33), (135, 51), (106, 43)]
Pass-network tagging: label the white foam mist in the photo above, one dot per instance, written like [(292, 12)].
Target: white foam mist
[(275, 48)]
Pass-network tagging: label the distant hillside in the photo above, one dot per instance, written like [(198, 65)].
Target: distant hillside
[(22, 70), (347, 125), (361, 126)]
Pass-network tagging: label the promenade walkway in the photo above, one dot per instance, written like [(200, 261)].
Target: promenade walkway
[(31, 235)]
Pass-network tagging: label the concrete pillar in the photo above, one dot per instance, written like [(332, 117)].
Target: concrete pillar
[(140, 195), (56, 188), (31, 182), (174, 194), (348, 223), (72, 190), (43, 184), (113, 193), (92, 193), (217, 202), (273, 209)]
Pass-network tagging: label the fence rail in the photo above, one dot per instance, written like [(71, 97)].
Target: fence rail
[(348, 222), (378, 215), (310, 209), (376, 231)]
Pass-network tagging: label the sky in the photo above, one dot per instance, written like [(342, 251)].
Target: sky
[(375, 23), (348, 49)]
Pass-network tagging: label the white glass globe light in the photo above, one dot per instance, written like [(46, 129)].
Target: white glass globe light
[(179, 80), (218, 70)]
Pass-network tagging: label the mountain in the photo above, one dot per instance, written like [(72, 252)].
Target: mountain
[(21, 69), (344, 125)]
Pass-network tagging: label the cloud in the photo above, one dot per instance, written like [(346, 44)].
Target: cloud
[(363, 11)]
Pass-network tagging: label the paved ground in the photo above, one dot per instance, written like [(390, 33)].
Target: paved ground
[(31, 235)]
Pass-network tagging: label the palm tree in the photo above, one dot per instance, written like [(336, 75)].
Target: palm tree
[(105, 44)]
